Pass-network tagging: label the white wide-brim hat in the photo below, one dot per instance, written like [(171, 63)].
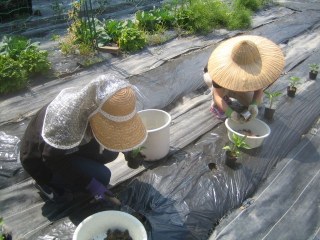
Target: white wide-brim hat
[(246, 63)]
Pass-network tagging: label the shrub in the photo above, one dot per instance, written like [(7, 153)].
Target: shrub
[(239, 18), (253, 5), (208, 15), (132, 39), (151, 20), (114, 28), (184, 18), (34, 61), (12, 75), (19, 59)]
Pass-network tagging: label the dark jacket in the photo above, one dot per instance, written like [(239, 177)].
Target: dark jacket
[(41, 160)]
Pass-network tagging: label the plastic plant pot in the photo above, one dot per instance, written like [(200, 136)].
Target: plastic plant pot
[(231, 161), (258, 128), (269, 113), (291, 91), (96, 226), (157, 123), (313, 75)]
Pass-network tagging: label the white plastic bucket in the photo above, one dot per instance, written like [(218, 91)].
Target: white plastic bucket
[(157, 123), (96, 226), (256, 126)]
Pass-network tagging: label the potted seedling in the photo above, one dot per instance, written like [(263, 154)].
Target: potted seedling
[(270, 108), (5, 234), (134, 157), (233, 150), (314, 69), (292, 88)]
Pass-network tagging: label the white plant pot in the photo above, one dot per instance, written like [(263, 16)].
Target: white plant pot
[(157, 123), (256, 126), (96, 226)]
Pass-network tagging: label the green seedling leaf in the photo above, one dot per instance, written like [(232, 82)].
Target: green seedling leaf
[(272, 96), (137, 151)]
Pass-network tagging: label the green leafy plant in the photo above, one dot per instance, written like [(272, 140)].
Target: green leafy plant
[(4, 233), (2, 237), (12, 75), (19, 59), (236, 145), (12, 46), (151, 20), (126, 35), (55, 37), (200, 16), (314, 68), (115, 28), (35, 61), (294, 81), (132, 39), (103, 37), (272, 97), (136, 152), (239, 18), (252, 5), (81, 37)]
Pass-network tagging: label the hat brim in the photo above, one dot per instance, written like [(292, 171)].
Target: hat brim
[(118, 136), (228, 74)]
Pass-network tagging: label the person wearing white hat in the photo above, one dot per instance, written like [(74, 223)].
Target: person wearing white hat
[(68, 142), (240, 68)]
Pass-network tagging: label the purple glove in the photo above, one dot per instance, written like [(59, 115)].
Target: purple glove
[(98, 190)]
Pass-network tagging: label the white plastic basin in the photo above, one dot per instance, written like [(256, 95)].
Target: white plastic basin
[(157, 123), (96, 226), (256, 126)]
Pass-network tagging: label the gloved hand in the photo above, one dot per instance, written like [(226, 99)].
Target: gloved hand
[(98, 190), (253, 109), (234, 115), (134, 158)]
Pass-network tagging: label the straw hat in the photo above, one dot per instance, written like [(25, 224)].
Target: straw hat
[(246, 63), (116, 124)]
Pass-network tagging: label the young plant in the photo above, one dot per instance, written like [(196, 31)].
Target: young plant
[(314, 68), (137, 152), (134, 157), (235, 145), (272, 96), (294, 81), (1, 233), (4, 233)]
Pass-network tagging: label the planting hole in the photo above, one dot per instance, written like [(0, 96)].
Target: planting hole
[(212, 166)]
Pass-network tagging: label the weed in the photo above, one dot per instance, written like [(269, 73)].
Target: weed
[(55, 37)]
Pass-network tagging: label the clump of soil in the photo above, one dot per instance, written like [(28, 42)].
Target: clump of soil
[(247, 132), (118, 235)]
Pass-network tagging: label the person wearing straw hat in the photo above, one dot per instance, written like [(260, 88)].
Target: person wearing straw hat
[(240, 68), (68, 142)]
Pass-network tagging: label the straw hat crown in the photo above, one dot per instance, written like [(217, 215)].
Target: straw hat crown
[(246, 63), (122, 103), (116, 124)]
